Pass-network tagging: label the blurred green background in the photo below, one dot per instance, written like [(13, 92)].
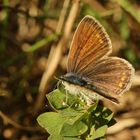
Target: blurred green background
[(35, 37)]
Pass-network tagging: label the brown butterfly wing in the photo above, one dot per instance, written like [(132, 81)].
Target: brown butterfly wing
[(90, 43), (111, 75)]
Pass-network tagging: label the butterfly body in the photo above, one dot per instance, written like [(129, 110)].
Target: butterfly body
[(90, 70), (80, 90), (74, 78), (79, 86)]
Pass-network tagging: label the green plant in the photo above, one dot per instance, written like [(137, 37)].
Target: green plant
[(73, 119)]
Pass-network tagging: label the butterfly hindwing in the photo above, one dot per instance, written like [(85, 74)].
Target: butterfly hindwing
[(111, 75)]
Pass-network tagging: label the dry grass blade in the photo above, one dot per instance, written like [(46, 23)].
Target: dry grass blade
[(126, 5)]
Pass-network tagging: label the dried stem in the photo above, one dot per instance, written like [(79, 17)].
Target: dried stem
[(8, 120), (56, 52), (136, 80), (121, 125)]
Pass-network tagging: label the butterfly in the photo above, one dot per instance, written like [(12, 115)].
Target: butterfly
[(90, 70)]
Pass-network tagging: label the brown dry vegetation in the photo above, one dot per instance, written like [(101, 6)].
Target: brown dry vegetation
[(35, 37)]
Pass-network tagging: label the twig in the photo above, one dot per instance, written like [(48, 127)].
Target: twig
[(55, 54), (122, 124), (135, 113), (136, 80), (8, 120), (62, 16)]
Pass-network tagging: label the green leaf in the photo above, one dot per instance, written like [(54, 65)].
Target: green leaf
[(100, 132), (70, 112), (60, 100), (103, 113), (107, 114), (101, 117), (40, 43), (76, 129), (74, 115), (70, 138), (102, 138), (92, 107), (58, 137), (57, 99), (51, 121), (72, 121), (55, 137), (112, 122)]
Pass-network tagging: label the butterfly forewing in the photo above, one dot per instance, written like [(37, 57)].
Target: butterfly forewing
[(90, 44)]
